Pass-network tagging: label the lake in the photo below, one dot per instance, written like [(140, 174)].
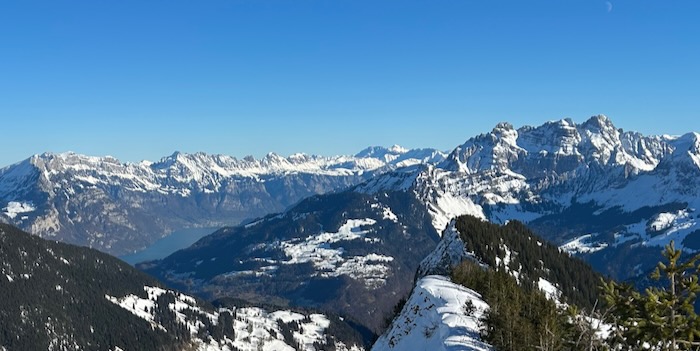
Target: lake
[(178, 240)]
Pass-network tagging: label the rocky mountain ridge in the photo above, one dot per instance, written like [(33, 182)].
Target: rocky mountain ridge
[(120, 207), (590, 187)]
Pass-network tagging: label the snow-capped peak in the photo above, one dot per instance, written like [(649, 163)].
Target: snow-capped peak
[(687, 149), (599, 121), (204, 170), (386, 154), (398, 149), (491, 151), (558, 146)]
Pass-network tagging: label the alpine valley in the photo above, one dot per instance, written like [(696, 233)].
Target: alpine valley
[(390, 242)]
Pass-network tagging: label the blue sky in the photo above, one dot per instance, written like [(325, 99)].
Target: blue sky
[(141, 79)]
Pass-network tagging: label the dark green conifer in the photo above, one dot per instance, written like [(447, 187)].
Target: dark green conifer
[(663, 316)]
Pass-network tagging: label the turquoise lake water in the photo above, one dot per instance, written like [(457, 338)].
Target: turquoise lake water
[(165, 246)]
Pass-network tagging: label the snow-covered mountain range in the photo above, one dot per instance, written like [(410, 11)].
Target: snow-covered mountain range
[(351, 228), (591, 187), (121, 207)]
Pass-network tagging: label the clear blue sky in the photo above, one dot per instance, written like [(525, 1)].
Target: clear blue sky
[(141, 79)]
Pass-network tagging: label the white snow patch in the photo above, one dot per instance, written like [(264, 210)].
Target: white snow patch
[(287, 316), (140, 307), (549, 290), (387, 214), (254, 328), (662, 221), (330, 261), (316, 248), (14, 208), (446, 207), (505, 263), (583, 244), (366, 268)]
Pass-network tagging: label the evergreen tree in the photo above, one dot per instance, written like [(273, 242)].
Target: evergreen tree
[(662, 317)]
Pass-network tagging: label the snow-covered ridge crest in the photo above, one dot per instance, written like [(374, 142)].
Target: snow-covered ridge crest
[(435, 318), (205, 171), (449, 253)]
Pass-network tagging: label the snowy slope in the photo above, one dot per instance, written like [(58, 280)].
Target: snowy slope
[(253, 328), (103, 203), (434, 318)]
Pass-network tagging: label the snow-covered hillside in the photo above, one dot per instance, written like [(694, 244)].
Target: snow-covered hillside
[(121, 207), (251, 328), (436, 317)]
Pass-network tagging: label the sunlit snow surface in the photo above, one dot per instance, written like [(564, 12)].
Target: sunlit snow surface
[(549, 290), (434, 318), (15, 208), (326, 253), (583, 244), (331, 261)]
